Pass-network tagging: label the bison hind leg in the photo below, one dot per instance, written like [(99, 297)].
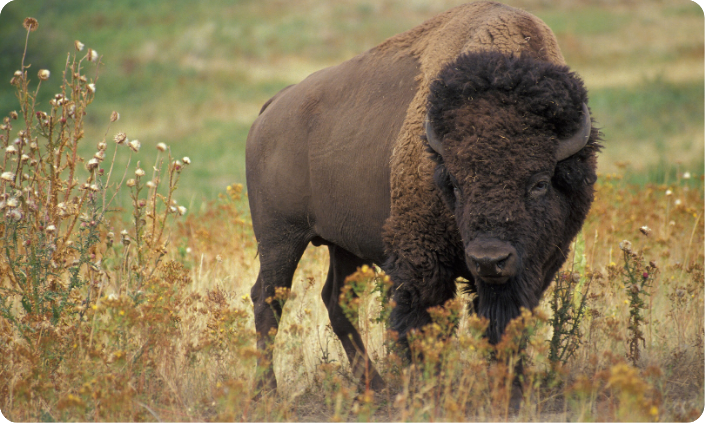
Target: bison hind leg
[(343, 264), (278, 262)]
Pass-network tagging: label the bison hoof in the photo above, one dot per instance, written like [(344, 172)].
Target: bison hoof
[(265, 386)]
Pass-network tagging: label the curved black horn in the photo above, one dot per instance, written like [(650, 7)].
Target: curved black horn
[(432, 138), (572, 145)]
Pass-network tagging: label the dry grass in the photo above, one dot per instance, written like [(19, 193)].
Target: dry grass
[(669, 372)]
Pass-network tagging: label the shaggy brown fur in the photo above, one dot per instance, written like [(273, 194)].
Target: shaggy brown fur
[(468, 28), (340, 160)]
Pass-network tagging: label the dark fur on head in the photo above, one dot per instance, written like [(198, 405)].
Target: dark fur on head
[(544, 89), (500, 118)]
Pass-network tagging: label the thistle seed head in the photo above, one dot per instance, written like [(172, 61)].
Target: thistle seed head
[(16, 78), (120, 138), (14, 214), (625, 246), (92, 164), (30, 24), (134, 145), (92, 55), (124, 235)]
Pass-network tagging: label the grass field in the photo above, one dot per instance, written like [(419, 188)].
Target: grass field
[(158, 326)]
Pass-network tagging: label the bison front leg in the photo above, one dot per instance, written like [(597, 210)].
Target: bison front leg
[(414, 292), (343, 264), (407, 315)]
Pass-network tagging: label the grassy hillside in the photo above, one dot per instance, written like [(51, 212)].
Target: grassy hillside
[(194, 75)]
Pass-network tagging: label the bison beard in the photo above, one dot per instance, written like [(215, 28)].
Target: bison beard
[(500, 305)]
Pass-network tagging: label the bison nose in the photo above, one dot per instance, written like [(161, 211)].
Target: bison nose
[(493, 261)]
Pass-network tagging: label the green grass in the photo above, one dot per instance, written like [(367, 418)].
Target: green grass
[(221, 158), (652, 124), (685, 9), (589, 21), (664, 173)]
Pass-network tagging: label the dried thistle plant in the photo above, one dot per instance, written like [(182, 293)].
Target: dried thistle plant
[(68, 292), (637, 278), (568, 305)]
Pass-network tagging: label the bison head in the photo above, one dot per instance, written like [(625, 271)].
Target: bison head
[(516, 158)]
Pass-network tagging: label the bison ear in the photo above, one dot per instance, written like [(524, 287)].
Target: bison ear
[(432, 138), (569, 146)]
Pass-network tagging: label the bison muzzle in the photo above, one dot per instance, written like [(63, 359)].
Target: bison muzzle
[(463, 147)]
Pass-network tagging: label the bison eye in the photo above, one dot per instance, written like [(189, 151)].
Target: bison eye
[(540, 188), (456, 189)]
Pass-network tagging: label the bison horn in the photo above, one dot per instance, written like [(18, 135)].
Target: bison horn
[(432, 138), (568, 147)]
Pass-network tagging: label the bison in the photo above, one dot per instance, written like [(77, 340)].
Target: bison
[(463, 147)]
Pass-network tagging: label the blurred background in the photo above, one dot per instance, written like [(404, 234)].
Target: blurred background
[(194, 74)]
